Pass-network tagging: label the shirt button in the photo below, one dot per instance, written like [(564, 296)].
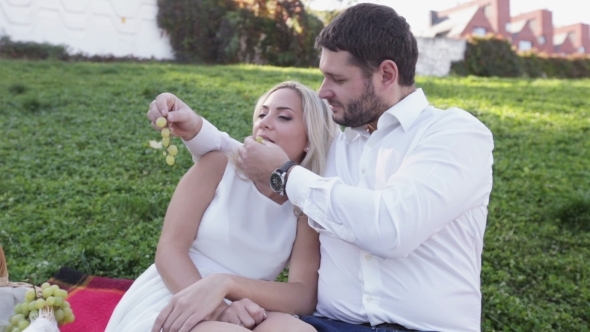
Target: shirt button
[(369, 299), (368, 257), (363, 171), (371, 145)]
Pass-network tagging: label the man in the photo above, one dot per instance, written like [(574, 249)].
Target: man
[(402, 208)]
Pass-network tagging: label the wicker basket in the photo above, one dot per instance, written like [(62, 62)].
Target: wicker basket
[(11, 293)]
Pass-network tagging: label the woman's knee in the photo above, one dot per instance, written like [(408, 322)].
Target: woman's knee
[(284, 323), (213, 326)]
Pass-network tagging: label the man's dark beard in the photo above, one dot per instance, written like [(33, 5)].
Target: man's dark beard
[(367, 109)]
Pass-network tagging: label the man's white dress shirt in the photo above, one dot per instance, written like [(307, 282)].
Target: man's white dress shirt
[(401, 214)]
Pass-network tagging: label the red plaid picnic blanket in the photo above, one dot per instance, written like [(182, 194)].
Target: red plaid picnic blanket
[(92, 298)]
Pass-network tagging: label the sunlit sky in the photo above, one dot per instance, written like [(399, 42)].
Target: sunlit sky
[(416, 12)]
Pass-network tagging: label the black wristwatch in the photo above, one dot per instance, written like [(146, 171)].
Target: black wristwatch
[(277, 178)]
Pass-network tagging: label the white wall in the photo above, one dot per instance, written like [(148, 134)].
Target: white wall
[(436, 54), (93, 27), (129, 28)]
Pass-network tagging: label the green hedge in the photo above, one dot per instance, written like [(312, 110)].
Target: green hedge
[(494, 56), (273, 32)]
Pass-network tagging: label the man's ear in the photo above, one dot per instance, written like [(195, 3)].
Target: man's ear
[(389, 74)]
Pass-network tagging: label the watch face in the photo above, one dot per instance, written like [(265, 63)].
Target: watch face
[(276, 182)]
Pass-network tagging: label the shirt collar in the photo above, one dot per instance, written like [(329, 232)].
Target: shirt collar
[(405, 112)]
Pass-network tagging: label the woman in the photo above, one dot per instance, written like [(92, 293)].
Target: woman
[(224, 237)]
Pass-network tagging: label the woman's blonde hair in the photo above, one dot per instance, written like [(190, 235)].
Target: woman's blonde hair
[(317, 117), (319, 127)]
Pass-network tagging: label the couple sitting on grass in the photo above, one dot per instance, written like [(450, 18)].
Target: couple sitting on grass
[(381, 225)]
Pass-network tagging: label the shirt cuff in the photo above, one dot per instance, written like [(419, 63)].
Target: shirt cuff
[(299, 183), (208, 139), (311, 193)]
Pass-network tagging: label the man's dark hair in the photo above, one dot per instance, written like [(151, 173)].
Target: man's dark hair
[(373, 33)]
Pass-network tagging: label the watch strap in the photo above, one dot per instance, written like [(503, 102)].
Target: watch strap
[(285, 167)]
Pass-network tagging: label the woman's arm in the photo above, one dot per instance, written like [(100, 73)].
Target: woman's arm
[(296, 296), (193, 194)]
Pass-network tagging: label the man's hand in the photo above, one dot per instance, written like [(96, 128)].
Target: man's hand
[(192, 305), (183, 121), (243, 313), (259, 160)]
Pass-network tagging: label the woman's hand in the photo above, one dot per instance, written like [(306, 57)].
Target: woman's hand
[(183, 121), (243, 313), (192, 305)]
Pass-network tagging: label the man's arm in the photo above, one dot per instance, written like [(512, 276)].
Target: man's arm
[(446, 175)]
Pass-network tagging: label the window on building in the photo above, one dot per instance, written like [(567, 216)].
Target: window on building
[(533, 24), (541, 40), (487, 11), (572, 37), (479, 31), (581, 49), (508, 26), (524, 45)]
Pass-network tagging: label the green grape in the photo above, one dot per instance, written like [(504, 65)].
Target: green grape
[(61, 293), (70, 318), (32, 305), (170, 160), (67, 312), (166, 141), (23, 324), (47, 292), (161, 122), (59, 301), (40, 303), (24, 308), (173, 150), (16, 329), (59, 315), (66, 304), (30, 295), (55, 288), (16, 318), (165, 132), (45, 285), (50, 301), (18, 309)]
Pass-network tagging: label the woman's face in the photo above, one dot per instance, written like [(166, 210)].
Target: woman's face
[(281, 121)]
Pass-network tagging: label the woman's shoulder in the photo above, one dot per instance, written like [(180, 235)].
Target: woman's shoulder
[(214, 161)]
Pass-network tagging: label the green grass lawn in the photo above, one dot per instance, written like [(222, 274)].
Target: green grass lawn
[(80, 186)]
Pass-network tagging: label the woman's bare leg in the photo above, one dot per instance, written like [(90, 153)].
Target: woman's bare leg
[(213, 326), (278, 321)]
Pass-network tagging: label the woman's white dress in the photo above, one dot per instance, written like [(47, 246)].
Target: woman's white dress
[(242, 233)]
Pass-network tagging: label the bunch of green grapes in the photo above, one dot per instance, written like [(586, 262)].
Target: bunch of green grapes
[(171, 148), (51, 300)]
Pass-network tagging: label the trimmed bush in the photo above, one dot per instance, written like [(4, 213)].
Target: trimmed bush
[(489, 56), (494, 56), (31, 50)]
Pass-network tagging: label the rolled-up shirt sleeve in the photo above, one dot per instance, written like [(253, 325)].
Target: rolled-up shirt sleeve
[(446, 174), (210, 139)]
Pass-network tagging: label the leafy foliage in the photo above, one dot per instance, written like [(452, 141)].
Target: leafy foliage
[(252, 31), (494, 56), (31, 50), (489, 56), (81, 188)]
